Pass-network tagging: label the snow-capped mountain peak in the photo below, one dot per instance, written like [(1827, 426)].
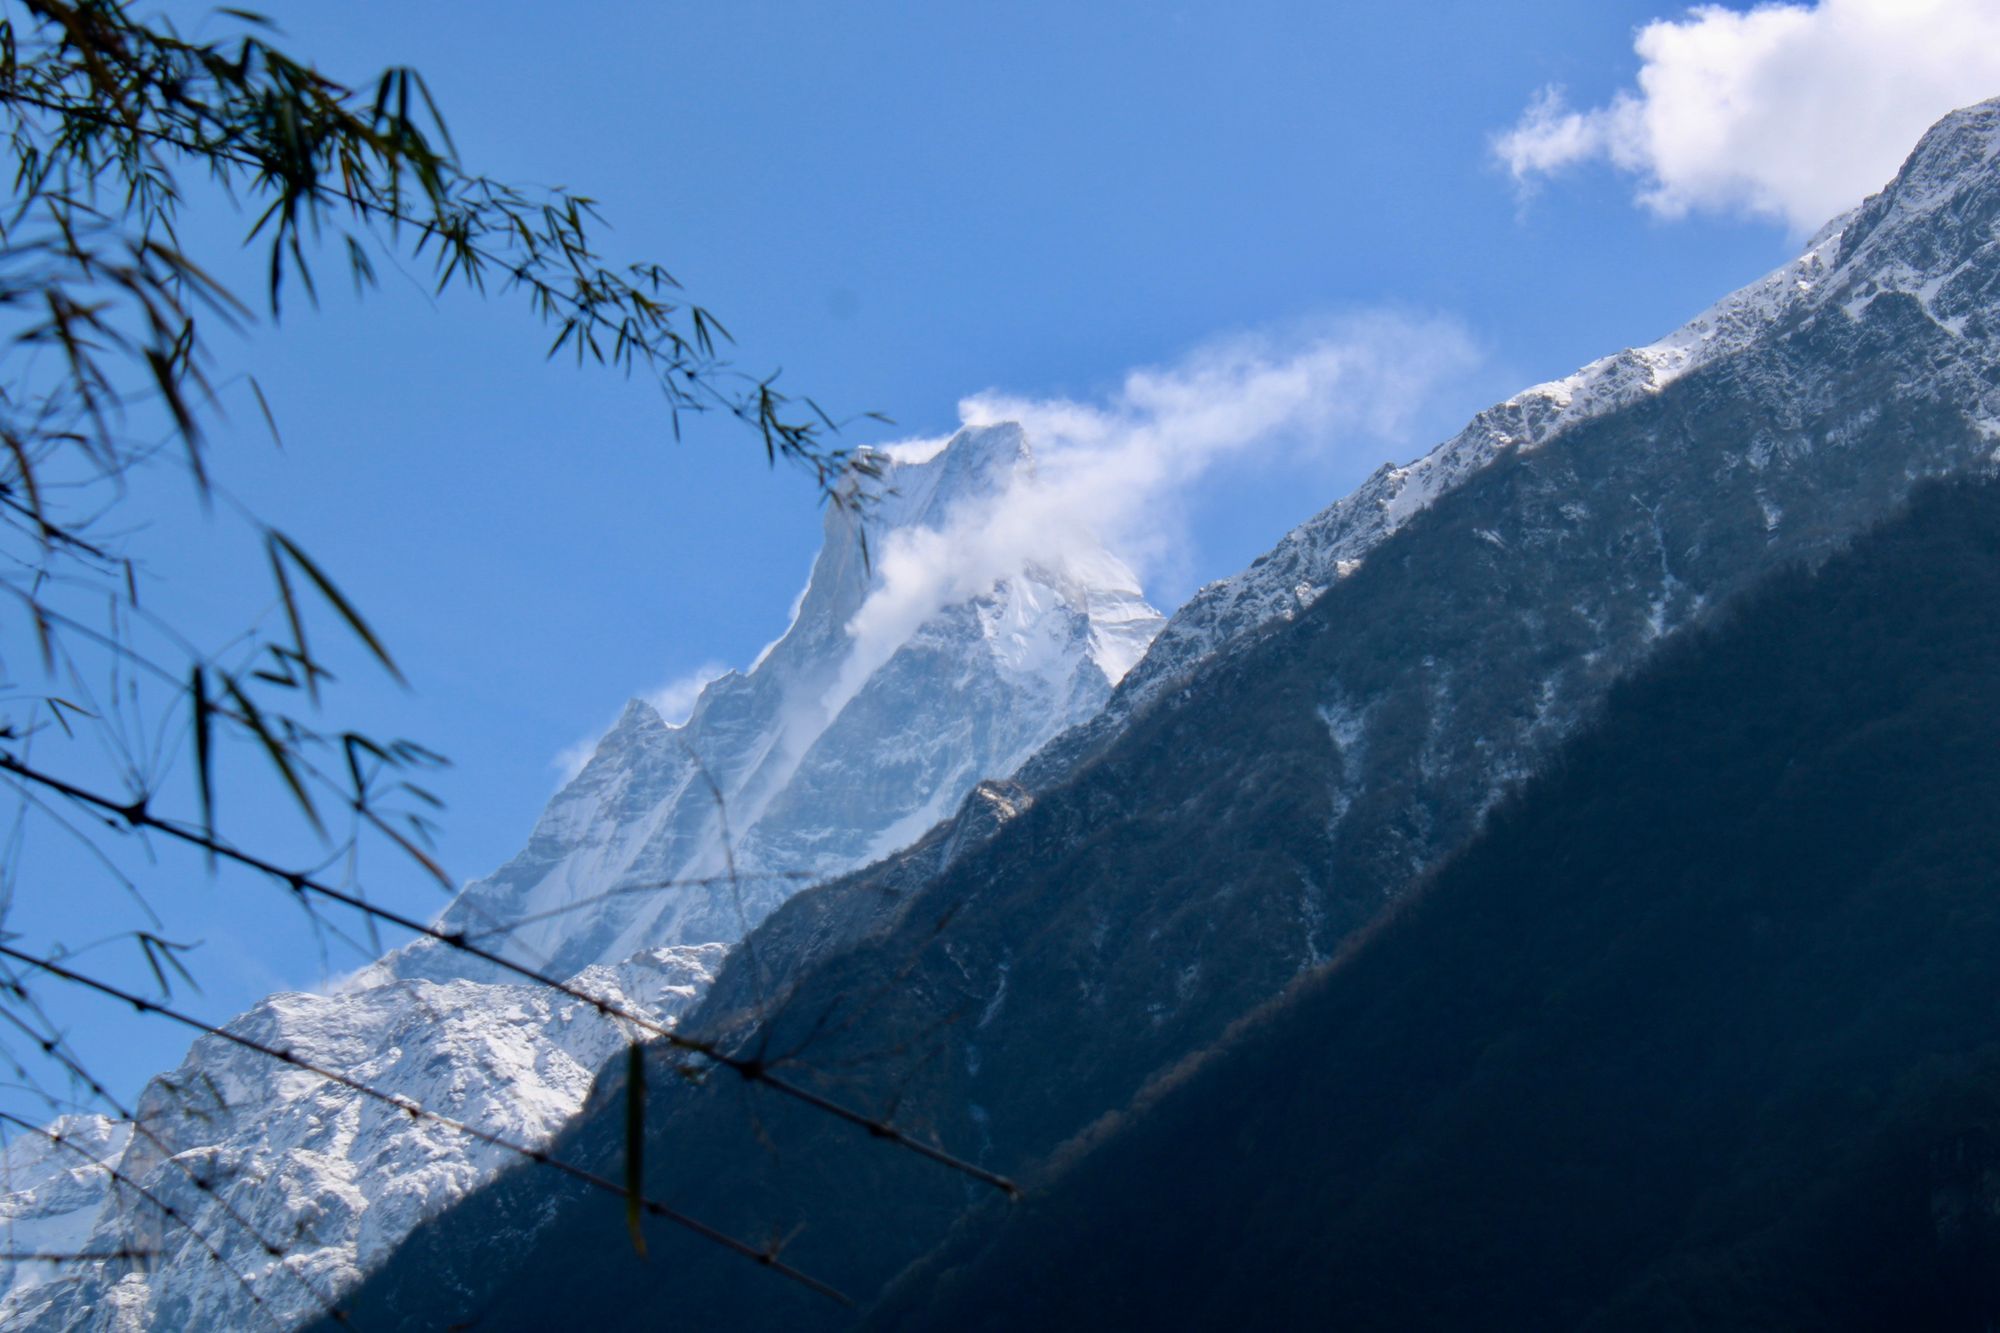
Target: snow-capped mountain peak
[(670, 842), (807, 763)]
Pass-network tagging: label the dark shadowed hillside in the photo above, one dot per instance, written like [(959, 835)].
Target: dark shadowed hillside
[(1700, 1033)]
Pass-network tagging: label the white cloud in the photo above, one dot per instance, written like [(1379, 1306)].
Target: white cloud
[(672, 701), (569, 761), (1790, 111), (1110, 473), (913, 450)]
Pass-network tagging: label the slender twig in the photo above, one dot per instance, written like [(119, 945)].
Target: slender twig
[(166, 1210), (756, 1071)]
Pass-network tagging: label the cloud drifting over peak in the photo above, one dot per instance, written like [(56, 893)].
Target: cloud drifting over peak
[(673, 701), (1789, 111), (1109, 474)]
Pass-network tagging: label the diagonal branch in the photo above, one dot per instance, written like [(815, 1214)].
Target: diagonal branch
[(417, 1111), (136, 814)]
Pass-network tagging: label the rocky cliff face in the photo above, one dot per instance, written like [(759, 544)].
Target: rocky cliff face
[(673, 840), (1301, 743)]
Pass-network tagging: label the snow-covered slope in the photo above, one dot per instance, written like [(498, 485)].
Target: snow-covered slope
[(665, 848), (1331, 545), (51, 1189), (248, 1151), (787, 772), (1922, 237)]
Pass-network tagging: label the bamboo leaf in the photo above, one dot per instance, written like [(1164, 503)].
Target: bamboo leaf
[(423, 794), (204, 772), (159, 951), (57, 705), (301, 653), (353, 745), (264, 406), (253, 719), (339, 602), (410, 849), (410, 752)]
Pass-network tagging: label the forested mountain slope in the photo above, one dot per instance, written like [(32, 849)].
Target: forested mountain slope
[(1699, 1033)]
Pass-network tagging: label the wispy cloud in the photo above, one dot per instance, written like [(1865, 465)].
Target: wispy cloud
[(1789, 111), (569, 761), (1111, 473), (672, 701)]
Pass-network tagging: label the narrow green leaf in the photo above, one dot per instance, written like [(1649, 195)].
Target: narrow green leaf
[(254, 720), (160, 951), (424, 794), (264, 406), (409, 752), (57, 704), (28, 482), (410, 849), (354, 745), (437, 116), (302, 653), (207, 286), (184, 424), (204, 774), (43, 639), (340, 603)]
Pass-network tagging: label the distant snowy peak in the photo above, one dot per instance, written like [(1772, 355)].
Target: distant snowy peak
[(979, 462), (52, 1186), (827, 751), (967, 481), (669, 843)]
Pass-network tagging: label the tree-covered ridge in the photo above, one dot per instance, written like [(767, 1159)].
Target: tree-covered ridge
[(1697, 1033)]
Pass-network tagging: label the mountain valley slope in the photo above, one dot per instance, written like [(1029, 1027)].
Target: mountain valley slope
[(1263, 791), (1697, 1033)]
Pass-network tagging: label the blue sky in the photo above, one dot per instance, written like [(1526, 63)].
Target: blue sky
[(903, 205)]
